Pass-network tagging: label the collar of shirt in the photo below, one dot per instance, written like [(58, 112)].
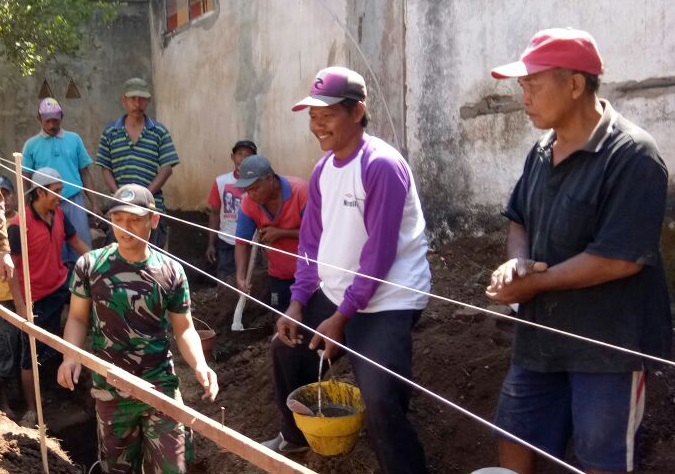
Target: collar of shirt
[(37, 216), (285, 189), (148, 122), (598, 136), (46, 135)]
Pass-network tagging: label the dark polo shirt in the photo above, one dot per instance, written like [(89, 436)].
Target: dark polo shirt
[(607, 199)]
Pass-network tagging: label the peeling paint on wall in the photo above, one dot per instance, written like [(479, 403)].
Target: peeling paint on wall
[(464, 133), (437, 145)]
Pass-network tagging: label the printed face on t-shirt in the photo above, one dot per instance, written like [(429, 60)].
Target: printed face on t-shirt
[(228, 200)]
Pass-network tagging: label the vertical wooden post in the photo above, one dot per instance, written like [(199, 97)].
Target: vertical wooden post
[(29, 306)]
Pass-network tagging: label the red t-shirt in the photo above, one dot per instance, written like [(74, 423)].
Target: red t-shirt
[(47, 271), (294, 193)]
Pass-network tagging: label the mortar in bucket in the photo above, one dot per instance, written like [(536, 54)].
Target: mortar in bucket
[(336, 429), (207, 336)]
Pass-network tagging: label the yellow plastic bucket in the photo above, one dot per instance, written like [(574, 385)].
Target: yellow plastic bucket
[(337, 430)]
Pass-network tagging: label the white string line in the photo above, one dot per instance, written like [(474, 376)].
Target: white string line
[(356, 273), (353, 352), (339, 344)]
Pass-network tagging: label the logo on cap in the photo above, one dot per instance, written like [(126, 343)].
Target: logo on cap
[(127, 195)]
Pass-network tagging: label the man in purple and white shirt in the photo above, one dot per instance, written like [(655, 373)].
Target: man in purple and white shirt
[(363, 215)]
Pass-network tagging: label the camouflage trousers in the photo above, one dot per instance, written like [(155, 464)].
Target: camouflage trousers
[(134, 438)]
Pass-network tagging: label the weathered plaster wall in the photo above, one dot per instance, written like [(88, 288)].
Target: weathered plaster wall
[(467, 136), (110, 55), (235, 73)]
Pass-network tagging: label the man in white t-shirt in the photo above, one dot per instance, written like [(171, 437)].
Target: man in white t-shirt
[(363, 214), (224, 201)]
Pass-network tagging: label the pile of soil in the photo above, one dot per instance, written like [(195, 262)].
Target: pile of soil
[(20, 451)]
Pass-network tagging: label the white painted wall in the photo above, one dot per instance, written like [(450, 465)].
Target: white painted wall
[(455, 44), (236, 72)]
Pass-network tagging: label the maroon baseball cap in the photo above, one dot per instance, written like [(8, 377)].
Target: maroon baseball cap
[(564, 48), (332, 85)]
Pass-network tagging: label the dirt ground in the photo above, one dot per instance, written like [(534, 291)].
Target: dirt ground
[(20, 452), (460, 353)]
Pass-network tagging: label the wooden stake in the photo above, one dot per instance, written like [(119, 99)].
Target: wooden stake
[(142, 390), (29, 306)]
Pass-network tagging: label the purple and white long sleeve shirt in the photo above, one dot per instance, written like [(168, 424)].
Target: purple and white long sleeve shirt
[(364, 215)]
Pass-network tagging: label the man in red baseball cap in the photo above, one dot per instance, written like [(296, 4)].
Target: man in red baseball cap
[(583, 257), (563, 48)]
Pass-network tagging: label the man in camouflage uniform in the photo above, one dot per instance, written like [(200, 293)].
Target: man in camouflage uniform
[(132, 296)]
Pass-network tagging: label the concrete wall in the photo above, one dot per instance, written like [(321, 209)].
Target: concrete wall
[(467, 134), (109, 55), (235, 73)]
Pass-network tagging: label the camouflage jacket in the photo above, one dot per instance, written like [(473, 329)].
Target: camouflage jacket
[(129, 320)]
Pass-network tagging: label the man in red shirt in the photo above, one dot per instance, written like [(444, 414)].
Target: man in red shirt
[(274, 206), (47, 228)]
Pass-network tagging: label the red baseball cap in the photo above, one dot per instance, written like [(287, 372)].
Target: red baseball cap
[(564, 48)]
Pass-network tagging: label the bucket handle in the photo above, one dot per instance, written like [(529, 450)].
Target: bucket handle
[(204, 323), (330, 366)]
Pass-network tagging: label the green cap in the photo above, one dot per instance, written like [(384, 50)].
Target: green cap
[(137, 87)]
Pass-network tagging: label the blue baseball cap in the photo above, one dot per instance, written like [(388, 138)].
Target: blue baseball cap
[(252, 169), (6, 183)]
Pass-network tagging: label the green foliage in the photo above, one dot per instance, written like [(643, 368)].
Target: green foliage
[(33, 31)]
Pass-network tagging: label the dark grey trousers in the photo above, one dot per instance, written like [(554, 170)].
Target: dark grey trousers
[(384, 337)]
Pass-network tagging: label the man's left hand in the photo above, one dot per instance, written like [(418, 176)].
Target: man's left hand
[(6, 267), (334, 328), (208, 379), (519, 290)]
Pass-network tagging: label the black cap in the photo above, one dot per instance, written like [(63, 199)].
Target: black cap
[(245, 144)]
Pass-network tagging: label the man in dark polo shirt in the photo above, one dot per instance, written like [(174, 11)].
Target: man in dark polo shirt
[(138, 150), (47, 228), (583, 249)]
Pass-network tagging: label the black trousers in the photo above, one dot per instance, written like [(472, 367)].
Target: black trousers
[(384, 337)]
